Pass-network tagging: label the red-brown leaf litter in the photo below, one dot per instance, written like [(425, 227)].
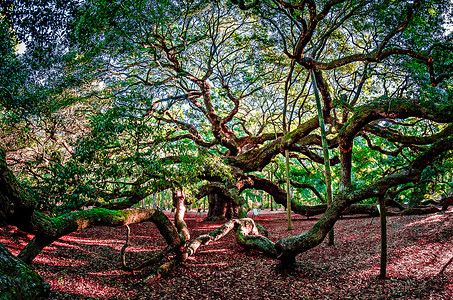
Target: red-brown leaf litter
[(86, 264)]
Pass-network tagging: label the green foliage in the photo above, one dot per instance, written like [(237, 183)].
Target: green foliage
[(113, 103), (12, 73)]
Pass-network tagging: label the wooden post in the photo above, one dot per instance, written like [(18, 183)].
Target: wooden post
[(325, 150), (383, 218), (288, 194), (270, 196)]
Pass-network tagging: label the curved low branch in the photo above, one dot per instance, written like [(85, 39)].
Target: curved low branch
[(288, 248), (247, 235), (411, 173), (253, 181), (415, 211), (309, 186), (48, 229)]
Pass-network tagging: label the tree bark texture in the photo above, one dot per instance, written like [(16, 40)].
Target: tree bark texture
[(288, 248), (247, 235), (447, 202), (54, 228), (217, 207), (17, 280)]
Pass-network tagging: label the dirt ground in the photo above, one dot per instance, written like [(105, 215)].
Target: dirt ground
[(86, 264)]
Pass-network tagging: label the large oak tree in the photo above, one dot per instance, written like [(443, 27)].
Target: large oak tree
[(205, 97)]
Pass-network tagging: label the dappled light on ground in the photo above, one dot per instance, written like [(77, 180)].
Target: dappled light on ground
[(434, 219), (212, 251), (54, 261), (210, 227), (88, 241)]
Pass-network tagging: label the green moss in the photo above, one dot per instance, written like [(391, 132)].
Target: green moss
[(17, 280)]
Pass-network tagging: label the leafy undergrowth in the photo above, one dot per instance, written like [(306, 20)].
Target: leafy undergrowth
[(86, 264)]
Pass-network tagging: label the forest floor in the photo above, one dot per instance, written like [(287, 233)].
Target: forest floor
[(86, 264)]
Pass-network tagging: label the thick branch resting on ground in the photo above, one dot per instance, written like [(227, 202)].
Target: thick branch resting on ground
[(279, 196), (290, 247), (51, 229), (415, 211), (247, 235), (18, 207)]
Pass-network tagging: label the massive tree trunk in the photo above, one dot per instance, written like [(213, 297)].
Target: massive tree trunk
[(232, 210), (224, 201), (17, 280), (447, 202), (217, 207), (221, 208)]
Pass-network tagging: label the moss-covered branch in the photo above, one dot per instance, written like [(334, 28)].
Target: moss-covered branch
[(247, 235), (49, 229), (288, 248), (17, 280)]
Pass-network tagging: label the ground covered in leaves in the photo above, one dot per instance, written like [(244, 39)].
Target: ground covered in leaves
[(86, 264)]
